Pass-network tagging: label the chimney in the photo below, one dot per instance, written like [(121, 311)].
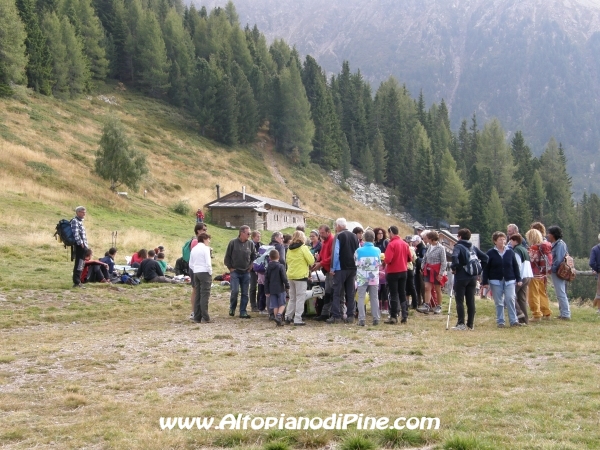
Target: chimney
[(218, 192), (295, 201), (454, 229), (244, 193)]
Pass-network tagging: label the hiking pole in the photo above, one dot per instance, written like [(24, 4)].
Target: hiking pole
[(449, 306)]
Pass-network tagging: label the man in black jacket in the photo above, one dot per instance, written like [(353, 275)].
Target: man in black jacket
[(151, 270), (343, 269), (465, 283)]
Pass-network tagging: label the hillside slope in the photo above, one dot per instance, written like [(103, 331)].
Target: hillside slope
[(47, 152), (531, 63)]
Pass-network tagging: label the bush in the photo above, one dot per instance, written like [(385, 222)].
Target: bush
[(357, 443), (181, 207)]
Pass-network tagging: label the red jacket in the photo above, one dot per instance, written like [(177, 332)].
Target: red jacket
[(326, 253), (397, 256)]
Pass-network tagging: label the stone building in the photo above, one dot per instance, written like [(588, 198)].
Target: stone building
[(259, 213)]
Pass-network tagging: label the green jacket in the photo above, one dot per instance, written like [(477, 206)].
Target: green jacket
[(299, 259)]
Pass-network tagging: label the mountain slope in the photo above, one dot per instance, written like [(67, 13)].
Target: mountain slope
[(533, 64)]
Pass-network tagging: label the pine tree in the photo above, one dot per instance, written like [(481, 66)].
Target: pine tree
[(479, 198), (427, 195), (379, 158), (495, 213), (537, 197), (518, 209), (12, 47), (523, 160), (89, 30), (495, 155), (345, 158), (116, 161), (180, 52), (51, 27), (367, 165), (151, 55), (225, 112), (454, 199), (201, 94), (39, 63), (247, 120), (231, 13), (327, 138)]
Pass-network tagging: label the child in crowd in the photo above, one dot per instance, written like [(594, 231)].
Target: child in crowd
[(160, 259), (276, 283), (94, 271)]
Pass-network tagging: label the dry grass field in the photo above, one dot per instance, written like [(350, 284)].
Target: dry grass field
[(98, 368)]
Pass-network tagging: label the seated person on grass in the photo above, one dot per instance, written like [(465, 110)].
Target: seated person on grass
[(109, 258), (137, 258), (160, 259), (151, 270), (94, 271)]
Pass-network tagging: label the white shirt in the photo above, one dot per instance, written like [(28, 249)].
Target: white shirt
[(200, 259)]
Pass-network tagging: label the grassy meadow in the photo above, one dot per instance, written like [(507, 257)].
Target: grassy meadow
[(97, 368)]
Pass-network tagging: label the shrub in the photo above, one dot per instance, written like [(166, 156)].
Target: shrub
[(181, 207)]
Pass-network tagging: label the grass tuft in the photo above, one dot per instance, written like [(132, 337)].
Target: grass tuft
[(357, 443), (74, 401), (276, 446), (465, 443), (401, 438)]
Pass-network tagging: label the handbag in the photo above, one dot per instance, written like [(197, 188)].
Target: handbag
[(566, 270)]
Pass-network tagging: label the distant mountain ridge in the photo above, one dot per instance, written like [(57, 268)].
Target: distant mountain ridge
[(534, 64)]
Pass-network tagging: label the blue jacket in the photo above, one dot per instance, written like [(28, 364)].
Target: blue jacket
[(595, 258), (501, 268), (460, 258), (559, 251)]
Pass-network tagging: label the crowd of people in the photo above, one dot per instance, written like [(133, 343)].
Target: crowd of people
[(349, 264)]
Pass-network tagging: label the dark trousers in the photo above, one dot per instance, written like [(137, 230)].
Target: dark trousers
[(253, 290), (419, 287), (397, 285), (410, 288), (78, 265), (343, 284), (96, 273), (203, 284), (521, 300), (262, 298), (465, 290), (328, 297)]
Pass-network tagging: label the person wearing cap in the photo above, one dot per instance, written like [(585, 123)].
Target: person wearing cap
[(81, 244)]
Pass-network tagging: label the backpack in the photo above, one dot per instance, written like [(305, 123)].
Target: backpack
[(566, 270), (542, 263), (473, 266), (186, 250), (128, 279), (259, 265), (64, 233)]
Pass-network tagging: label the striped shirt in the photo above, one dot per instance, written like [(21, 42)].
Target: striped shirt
[(79, 231), (436, 254)]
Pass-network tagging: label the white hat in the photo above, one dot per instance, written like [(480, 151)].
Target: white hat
[(416, 238)]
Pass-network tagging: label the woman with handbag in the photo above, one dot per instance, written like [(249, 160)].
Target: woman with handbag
[(559, 253)]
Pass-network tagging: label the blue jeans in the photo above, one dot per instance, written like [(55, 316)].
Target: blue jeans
[(239, 282), (560, 287), (504, 296)]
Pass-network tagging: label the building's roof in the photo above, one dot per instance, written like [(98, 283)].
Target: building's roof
[(252, 201)]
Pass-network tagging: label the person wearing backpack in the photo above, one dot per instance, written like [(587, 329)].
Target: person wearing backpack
[(559, 252), (81, 244), (467, 265)]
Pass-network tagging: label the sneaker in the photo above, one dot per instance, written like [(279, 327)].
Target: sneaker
[(333, 320), (254, 310), (501, 325), (460, 327), (521, 316), (437, 310), (517, 324), (271, 316), (563, 318), (278, 321), (403, 320), (548, 317), (535, 319), (192, 316), (375, 323), (245, 316), (299, 324), (80, 286), (289, 321), (391, 321), (361, 323), (232, 312), (349, 320), (320, 318), (470, 328), (424, 308), (263, 313), (385, 311)]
